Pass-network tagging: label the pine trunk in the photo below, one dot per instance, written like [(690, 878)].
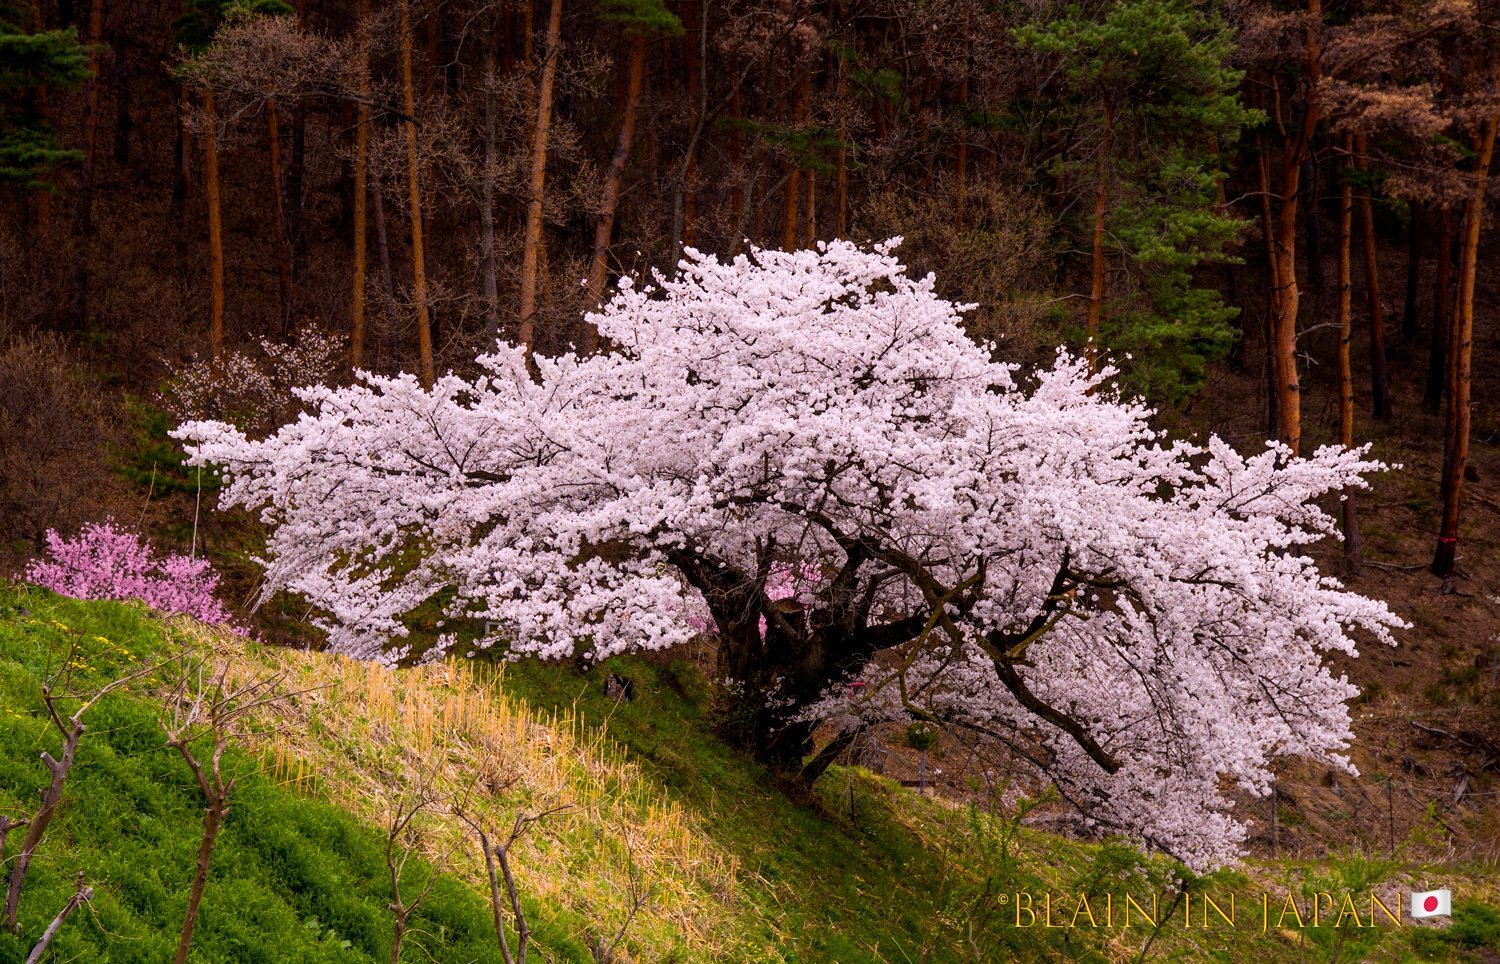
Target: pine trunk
[(361, 192), (1096, 288), (1349, 513), (1313, 224), (1456, 441), (810, 208), (1268, 236), (737, 172), (91, 119), (531, 252), (1380, 386), (1413, 275), (1442, 317), (414, 189), (215, 222), (791, 200), (489, 284), (278, 217), (1284, 312), (613, 179)]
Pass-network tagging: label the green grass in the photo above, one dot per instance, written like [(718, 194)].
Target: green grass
[(292, 879), (855, 868)]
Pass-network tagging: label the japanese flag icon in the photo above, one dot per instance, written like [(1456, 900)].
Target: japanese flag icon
[(1431, 903)]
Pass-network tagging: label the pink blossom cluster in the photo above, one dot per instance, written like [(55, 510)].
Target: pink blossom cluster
[(254, 386), (105, 562)]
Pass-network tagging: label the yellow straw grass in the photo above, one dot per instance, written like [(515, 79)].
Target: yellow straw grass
[(366, 737)]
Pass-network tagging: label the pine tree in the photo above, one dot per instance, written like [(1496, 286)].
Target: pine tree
[(1149, 99), (31, 59)]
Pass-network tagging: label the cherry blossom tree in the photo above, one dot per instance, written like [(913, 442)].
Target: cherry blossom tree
[(1024, 554)]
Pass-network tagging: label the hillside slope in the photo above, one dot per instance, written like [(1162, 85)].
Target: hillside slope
[(651, 815)]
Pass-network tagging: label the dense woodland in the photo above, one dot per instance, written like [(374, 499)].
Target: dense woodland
[(195, 190)]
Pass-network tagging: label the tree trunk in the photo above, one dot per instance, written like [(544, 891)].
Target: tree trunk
[(1456, 441), (1284, 314), (414, 188), (810, 209), (1313, 221), (489, 285), (1268, 236), (533, 241), (387, 273), (278, 209), (1380, 386), (790, 201), (59, 769), (685, 196), (737, 172), (610, 199), (215, 222), (1096, 288), (792, 198), (183, 155), (1442, 317), (91, 122), (361, 191), (1288, 298), (124, 118), (1413, 275), (1349, 513), (296, 171), (212, 820)]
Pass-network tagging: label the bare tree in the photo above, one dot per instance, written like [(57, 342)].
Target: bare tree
[(7, 824), (71, 730), (497, 864), (208, 712), (81, 896), (398, 853), (639, 895)]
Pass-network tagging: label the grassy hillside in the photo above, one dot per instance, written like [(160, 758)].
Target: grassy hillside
[(724, 865)]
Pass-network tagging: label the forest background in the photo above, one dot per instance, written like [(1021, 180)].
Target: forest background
[(1272, 216)]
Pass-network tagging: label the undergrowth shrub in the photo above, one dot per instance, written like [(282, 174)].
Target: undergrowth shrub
[(103, 562)]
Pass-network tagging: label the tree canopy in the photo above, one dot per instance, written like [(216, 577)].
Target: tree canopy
[(1020, 553)]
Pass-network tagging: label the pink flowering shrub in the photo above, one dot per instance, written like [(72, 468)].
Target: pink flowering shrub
[(103, 562)]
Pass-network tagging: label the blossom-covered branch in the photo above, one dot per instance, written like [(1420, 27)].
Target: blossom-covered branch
[(1026, 555)]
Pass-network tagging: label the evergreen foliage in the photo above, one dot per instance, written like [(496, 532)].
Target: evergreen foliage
[(1149, 86), (31, 60)]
